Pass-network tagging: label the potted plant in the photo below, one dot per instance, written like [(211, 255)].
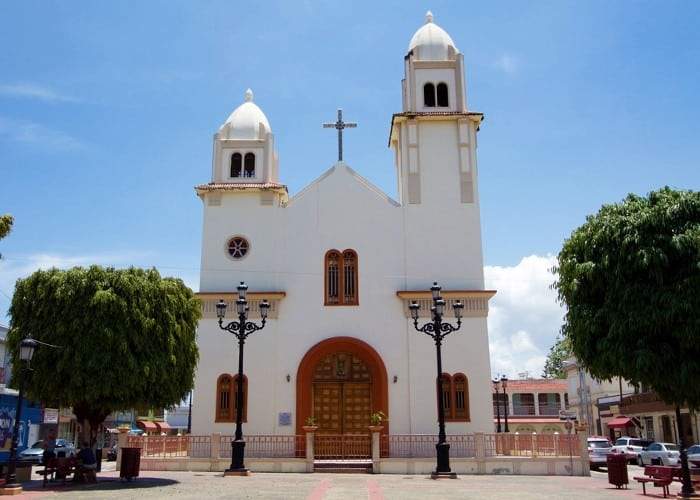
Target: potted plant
[(310, 424), (377, 420)]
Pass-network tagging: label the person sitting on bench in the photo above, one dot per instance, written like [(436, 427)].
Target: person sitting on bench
[(87, 463)]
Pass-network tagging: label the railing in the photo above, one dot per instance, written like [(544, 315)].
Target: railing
[(171, 446), (423, 445), (523, 409), (550, 409), (531, 444), (267, 446), (342, 446)]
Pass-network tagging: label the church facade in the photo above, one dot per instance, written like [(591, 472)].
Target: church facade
[(340, 262)]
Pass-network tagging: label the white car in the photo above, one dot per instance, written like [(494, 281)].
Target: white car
[(694, 455), (660, 454), (598, 450), (631, 447)]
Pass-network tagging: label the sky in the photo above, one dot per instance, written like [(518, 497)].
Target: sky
[(107, 111)]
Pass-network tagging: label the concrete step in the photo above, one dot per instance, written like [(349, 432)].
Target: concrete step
[(343, 467)]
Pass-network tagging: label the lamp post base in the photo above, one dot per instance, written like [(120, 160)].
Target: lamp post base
[(443, 458), (11, 489), (236, 472), (443, 475)]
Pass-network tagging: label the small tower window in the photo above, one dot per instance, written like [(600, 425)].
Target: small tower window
[(429, 95), (236, 164), (249, 165), (442, 100)]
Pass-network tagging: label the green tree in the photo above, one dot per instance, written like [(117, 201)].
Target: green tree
[(558, 353), (5, 225), (630, 279), (126, 337)]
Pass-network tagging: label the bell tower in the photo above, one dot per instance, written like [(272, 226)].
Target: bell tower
[(434, 137)]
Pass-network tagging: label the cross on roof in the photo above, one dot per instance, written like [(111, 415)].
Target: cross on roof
[(339, 125)]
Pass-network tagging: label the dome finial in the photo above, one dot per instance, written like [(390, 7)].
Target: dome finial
[(248, 95), (428, 17)]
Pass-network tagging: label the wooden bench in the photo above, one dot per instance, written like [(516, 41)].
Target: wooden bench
[(661, 477)]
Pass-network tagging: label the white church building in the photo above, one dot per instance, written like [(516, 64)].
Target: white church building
[(340, 261)]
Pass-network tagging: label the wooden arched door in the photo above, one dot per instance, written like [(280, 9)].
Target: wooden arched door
[(342, 394)]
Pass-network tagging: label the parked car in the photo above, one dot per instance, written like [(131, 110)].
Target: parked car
[(631, 447), (598, 450), (660, 454), (35, 454), (694, 455)]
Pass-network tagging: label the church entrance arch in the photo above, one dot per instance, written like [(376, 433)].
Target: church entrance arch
[(341, 381)]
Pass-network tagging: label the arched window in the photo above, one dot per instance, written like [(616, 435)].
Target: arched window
[(429, 95), (249, 165), (442, 100), (446, 395), (454, 396), (224, 395), (236, 164), (226, 402), (349, 277), (340, 275), (460, 386)]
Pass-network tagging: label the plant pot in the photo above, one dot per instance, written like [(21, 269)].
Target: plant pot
[(376, 428), (309, 428)]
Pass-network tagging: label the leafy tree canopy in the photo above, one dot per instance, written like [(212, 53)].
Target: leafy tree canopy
[(5, 225), (630, 279), (127, 338), (558, 353)]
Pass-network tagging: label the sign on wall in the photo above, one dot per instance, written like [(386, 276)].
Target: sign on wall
[(50, 415), (285, 418)]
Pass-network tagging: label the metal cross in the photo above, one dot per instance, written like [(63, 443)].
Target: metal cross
[(339, 126)]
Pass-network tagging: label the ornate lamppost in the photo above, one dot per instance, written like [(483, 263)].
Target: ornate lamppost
[(438, 330), (497, 393), (26, 352), (504, 386), (240, 329)]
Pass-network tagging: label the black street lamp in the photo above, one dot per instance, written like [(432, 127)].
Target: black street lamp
[(438, 330), (240, 329), (497, 392), (504, 385), (26, 351)]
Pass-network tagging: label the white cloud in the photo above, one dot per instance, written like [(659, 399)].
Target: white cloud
[(37, 134), (507, 63), (524, 316), (34, 91)]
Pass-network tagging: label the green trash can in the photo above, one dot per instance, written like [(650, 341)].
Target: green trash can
[(617, 470)]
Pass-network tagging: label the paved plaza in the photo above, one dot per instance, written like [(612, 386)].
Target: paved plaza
[(197, 485)]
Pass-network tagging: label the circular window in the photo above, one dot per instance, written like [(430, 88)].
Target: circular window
[(237, 247)]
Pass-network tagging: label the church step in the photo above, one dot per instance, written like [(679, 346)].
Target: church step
[(343, 467)]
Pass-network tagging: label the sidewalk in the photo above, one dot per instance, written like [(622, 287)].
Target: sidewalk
[(196, 485)]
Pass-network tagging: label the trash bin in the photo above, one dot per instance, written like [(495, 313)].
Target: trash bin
[(98, 457), (131, 463), (617, 470)]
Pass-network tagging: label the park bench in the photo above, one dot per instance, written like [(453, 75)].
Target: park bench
[(661, 477)]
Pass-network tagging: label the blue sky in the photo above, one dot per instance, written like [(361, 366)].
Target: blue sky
[(107, 111)]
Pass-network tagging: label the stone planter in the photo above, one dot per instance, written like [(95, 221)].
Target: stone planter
[(376, 428), (309, 428)]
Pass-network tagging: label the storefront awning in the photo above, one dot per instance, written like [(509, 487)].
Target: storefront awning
[(619, 423), (163, 427), (147, 426)]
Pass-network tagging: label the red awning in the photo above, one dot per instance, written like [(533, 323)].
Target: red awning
[(619, 423), (147, 426), (163, 427)]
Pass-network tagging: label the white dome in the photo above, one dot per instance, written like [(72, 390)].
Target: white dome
[(244, 123), (432, 41)]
